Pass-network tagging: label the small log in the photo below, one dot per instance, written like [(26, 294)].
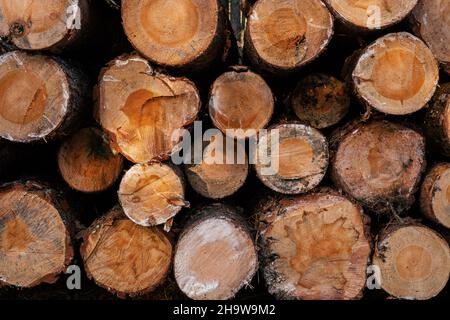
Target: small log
[(320, 100), (315, 247), (142, 109), (414, 261), (215, 255), (369, 15), (437, 121), (41, 98), (291, 158), (397, 74), (283, 36), (86, 162), (435, 194), (189, 34), (219, 174), (429, 20), (151, 194), (124, 258), (240, 99), (35, 234), (29, 25)]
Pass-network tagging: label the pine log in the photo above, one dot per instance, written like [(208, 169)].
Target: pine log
[(35, 234), (215, 255), (283, 36), (123, 257), (414, 261), (240, 99), (430, 22), (189, 34), (435, 194), (30, 25), (86, 162), (397, 74), (219, 174), (151, 194), (437, 121), (291, 158), (142, 109), (314, 247), (369, 15), (320, 100), (41, 98), (378, 164)]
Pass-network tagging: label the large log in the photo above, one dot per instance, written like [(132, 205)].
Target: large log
[(283, 36), (314, 247), (188, 34), (215, 255), (397, 74), (41, 98), (142, 109), (291, 158), (414, 261), (378, 164), (86, 162), (35, 234), (123, 257)]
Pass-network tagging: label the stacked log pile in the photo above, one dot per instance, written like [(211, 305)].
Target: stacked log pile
[(207, 149)]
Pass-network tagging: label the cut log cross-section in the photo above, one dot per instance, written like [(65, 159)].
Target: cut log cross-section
[(215, 255), (430, 21), (240, 99), (30, 25), (367, 15), (397, 74), (151, 194), (314, 247), (219, 174), (176, 33), (142, 110), (40, 98), (35, 243), (282, 36), (291, 158), (123, 257), (379, 164), (414, 262), (435, 194), (87, 163), (320, 100)]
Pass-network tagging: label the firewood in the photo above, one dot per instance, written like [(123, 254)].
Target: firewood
[(142, 109), (123, 257), (369, 15), (41, 98), (215, 255), (320, 100), (437, 121), (283, 36), (429, 21), (291, 158), (151, 194), (397, 74), (35, 234), (314, 247), (379, 164), (414, 261), (220, 173), (30, 25), (435, 194), (190, 34), (87, 163), (240, 99)]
